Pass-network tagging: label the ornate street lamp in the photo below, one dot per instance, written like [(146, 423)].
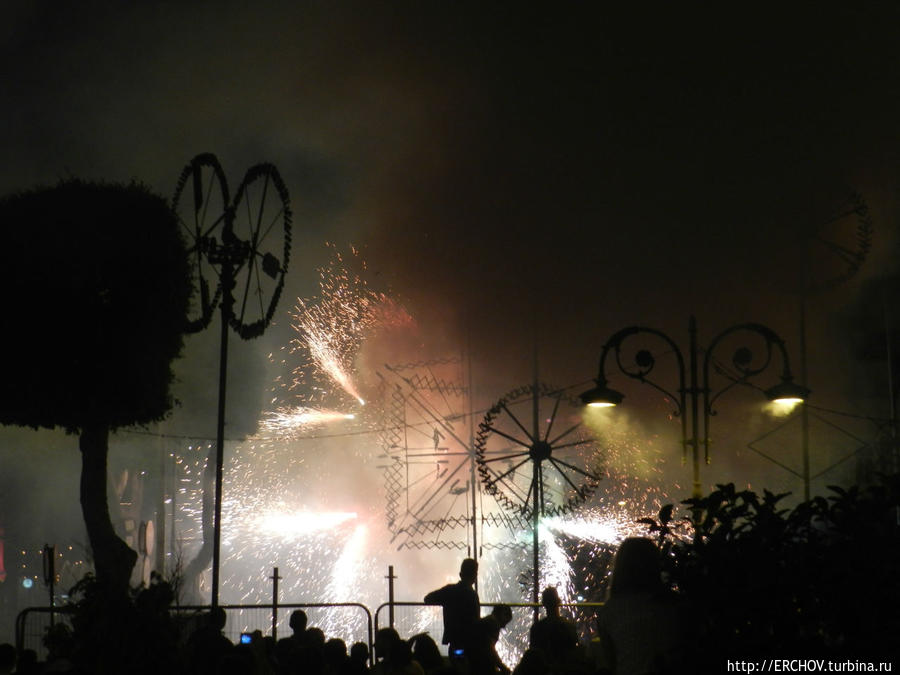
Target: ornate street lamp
[(693, 382)]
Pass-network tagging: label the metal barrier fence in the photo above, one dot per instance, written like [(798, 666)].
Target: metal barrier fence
[(32, 624), (412, 618), (350, 621)]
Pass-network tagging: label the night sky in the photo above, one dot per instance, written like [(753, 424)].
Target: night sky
[(508, 174), (499, 168)]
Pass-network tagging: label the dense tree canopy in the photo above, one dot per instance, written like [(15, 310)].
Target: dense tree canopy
[(97, 289)]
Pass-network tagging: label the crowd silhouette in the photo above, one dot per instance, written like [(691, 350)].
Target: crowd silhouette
[(471, 641), (641, 628)]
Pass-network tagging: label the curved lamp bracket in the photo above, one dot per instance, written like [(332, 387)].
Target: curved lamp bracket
[(745, 361), (644, 362)]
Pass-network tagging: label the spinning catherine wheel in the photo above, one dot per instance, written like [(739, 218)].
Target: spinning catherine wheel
[(535, 455), (201, 203), (246, 244), (262, 233), (840, 246)]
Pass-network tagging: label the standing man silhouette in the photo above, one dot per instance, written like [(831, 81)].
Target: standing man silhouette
[(461, 608), (553, 635)]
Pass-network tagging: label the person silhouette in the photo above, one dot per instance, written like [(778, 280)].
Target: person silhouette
[(289, 648), (208, 647), (385, 645), (426, 652), (640, 627), (553, 635), (7, 658), (335, 656), (358, 659), (461, 607), (483, 657), (298, 623)]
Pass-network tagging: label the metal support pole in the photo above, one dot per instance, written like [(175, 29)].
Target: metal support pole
[(390, 577), (50, 577), (694, 391), (535, 545), (275, 579), (227, 311), (892, 402), (804, 411), (535, 474), (173, 552), (220, 442), (474, 483)]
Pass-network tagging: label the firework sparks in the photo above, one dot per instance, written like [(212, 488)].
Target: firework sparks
[(325, 345), (276, 514), (330, 330), (591, 528), (300, 524), (555, 566), (290, 420), (283, 507), (332, 327), (345, 582)]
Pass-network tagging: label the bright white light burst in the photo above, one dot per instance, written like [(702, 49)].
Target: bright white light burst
[(605, 530), (300, 524)]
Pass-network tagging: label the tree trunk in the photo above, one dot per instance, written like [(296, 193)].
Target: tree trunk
[(204, 556), (113, 559)]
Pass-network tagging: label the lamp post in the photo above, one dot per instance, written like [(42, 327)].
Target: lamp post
[(694, 398)]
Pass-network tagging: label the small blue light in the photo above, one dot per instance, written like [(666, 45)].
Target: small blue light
[(27, 582)]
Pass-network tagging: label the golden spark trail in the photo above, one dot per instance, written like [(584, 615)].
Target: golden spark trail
[(324, 342), (290, 420)]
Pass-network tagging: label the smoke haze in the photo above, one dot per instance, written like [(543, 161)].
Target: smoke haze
[(519, 184)]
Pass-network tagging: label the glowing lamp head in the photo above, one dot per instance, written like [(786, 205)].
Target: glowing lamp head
[(601, 396), (787, 392)]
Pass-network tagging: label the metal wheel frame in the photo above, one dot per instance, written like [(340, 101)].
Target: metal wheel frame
[(251, 225), (537, 447), (201, 231)]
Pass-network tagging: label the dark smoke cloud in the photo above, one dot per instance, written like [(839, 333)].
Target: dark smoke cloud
[(512, 177)]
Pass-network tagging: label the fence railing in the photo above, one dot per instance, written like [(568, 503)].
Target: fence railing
[(412, 618), (351, 621)]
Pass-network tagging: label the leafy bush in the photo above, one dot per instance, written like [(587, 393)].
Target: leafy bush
[(761, 580)]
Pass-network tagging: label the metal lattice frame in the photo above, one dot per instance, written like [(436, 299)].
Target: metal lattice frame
[(429, 481)]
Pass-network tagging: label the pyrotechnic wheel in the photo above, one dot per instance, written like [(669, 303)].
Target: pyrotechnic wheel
[(202, 213), (533, 452), (843, 243), (262, 229)]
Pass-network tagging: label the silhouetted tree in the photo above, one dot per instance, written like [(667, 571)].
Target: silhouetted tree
[(97, 286)]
